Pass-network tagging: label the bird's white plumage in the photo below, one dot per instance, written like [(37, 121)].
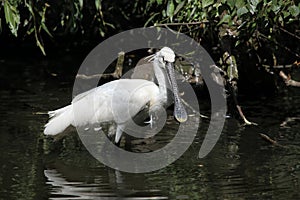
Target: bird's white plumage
[(168, 54), (117, 101), (114, 101)]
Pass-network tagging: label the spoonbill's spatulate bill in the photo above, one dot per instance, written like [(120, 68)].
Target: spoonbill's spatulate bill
[(109, 104)]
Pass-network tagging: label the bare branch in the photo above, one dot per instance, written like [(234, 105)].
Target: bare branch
[(273, 142), (182, 23), (288, 81), (116, 74)]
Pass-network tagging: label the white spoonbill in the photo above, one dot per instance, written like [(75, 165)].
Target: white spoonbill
[(120, 100)]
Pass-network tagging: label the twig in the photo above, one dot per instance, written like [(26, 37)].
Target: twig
[(291, 34), (277, 43), (98, 76), (278, 66), (243, 116), (238, 107), (40, 113), (289, 119), (116, 74), (182, 23), (268, 139), (190, 107), (288, 81)]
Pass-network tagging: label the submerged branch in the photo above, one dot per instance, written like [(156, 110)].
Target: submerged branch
[(288, 120), (288, 81), (243, 116), (190, 107), (268, 139)]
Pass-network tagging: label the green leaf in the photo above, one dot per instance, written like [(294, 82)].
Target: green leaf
[(38, 43), (294, 10), (239, 4), (232, 71), (285, 14), (159, 2), (275, 8), (44, 27), (226, 19), (12, 17), (253, 5), (43, 22), (206, 3), (150, 19), (98, 4), (231, 3), (178, 7), (80, 3), (241, 11), (170, 9)]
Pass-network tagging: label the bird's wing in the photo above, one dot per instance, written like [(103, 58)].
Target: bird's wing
[(125, 98), (82, 95), (87, 104), (116, 101)]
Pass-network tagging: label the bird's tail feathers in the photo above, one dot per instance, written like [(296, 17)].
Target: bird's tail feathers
[(59, 120)]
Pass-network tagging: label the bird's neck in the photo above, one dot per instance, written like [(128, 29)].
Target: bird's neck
[(161, 79)]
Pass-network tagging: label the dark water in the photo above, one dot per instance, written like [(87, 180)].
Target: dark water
[(241, 166)]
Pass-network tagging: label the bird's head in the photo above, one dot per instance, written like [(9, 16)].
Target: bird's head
[(166, 54), (166, 60)]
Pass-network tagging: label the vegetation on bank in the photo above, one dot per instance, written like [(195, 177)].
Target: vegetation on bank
[(259, 33), (252, 24)]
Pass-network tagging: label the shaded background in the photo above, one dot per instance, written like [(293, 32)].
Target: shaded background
[(241, 166)]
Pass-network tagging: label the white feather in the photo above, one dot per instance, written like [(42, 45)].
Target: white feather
[(117, 101), (60, 120)]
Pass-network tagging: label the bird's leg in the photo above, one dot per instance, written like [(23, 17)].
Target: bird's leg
[(111, 131), (154, 114), (119, 132), (150, 121)]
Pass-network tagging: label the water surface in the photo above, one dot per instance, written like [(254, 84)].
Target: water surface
[(241, 166)]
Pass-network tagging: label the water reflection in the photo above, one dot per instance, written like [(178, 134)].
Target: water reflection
[(241, 165)]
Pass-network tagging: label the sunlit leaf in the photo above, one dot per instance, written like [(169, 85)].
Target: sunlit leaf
[(98, 4), (179, 7), (226, 19), (206, 3), (44, 27), (30, 31), (43, 22), (12, 17), (80, 3), (231, 3), (242, 11), (232, 71), (239, 4), (285, 13), (253, 5), (275, 8), (294, 10), (40, 46), (150, 19), (237, 43), (159, 2), (170, 9)]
